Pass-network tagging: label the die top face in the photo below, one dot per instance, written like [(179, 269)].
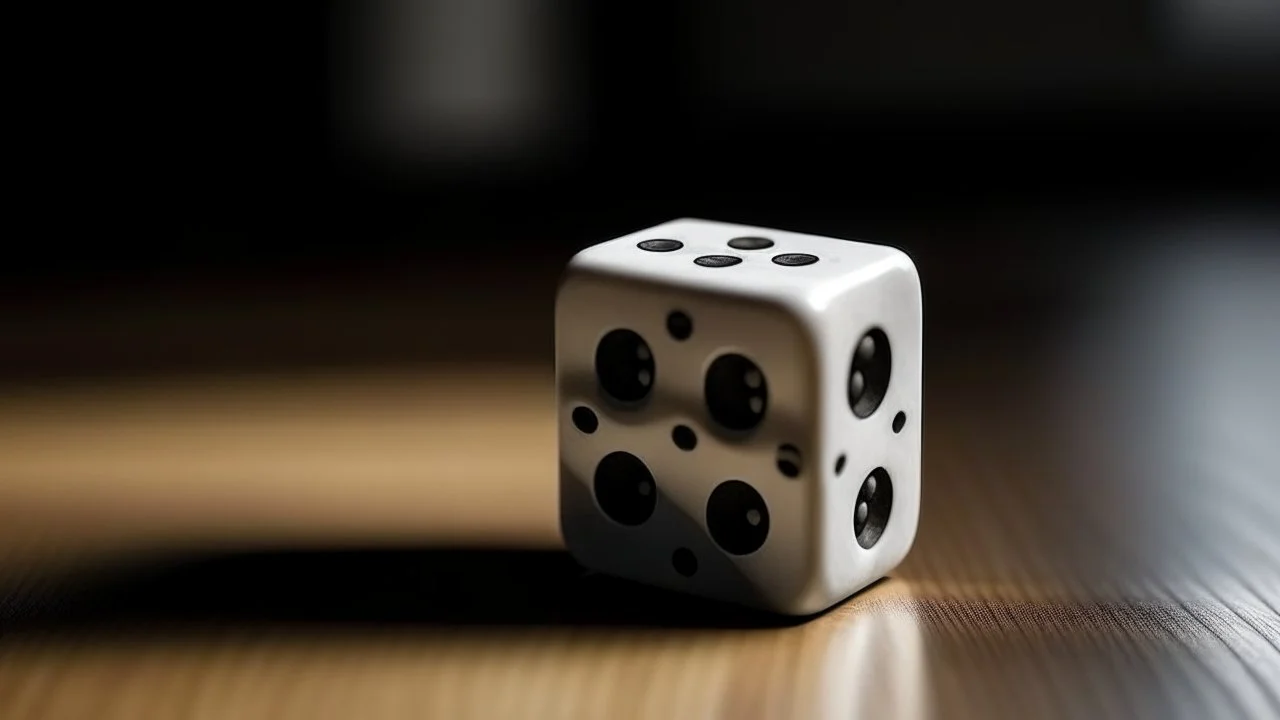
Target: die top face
[(801, 270)]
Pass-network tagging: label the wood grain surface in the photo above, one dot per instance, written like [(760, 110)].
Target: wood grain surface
[(1100, 537)]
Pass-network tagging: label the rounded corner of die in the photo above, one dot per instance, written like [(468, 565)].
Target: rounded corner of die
[(565, 279), (816, 599), (902, 265), (905, 261), (570, 275), (685, 220), (578, 261)]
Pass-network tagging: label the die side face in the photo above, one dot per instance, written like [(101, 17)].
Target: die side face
[(702, 413), (871, 351)]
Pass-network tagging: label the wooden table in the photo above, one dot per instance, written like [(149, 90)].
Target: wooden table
[(1100, 537)]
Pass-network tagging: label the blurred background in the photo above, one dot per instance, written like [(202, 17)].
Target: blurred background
[(280, 275), (237, 187)]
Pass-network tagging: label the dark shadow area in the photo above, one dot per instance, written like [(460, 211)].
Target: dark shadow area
[(342, 590), (352, 184)]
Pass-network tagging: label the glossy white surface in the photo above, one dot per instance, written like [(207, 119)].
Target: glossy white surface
[(800, 325)]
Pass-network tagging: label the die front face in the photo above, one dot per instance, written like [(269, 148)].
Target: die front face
[(696, 421)]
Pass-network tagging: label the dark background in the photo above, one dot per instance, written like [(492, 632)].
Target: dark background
[(224, 187)]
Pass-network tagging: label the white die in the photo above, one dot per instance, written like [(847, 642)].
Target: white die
[(742, 479)]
